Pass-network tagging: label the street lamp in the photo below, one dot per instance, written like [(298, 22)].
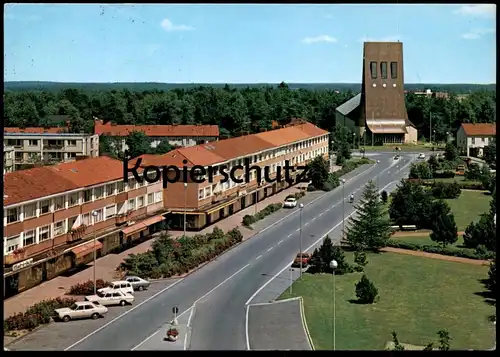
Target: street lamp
[(333, 265), (301, 206), (343, 207), (185, 206), (376, 177), (94, 215)]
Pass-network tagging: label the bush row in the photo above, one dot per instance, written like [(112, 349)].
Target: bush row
[(87, 287), (350, 165), (248, 219), (463, 185), (444, 190), (169, 257), (454, 252), (38, 314)]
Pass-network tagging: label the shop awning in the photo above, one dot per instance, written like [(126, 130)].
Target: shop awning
[(153, 220), (135, 228), (86, 248), (221, 206)]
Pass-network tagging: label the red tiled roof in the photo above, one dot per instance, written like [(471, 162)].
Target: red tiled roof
[(480, 129), (35, 130), (156, 130)]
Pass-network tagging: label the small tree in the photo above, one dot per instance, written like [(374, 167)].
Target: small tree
[(366, 292), (444, 230), (138, 144), (482, 232), (433, 164), (490, 152), (407, 203), (450, 152), (318, 172), (397, 346), (444, 340), (322, 257), (420, 170), (384, 197), (371, 229), (491, 282), (360, 260), (163, 147)]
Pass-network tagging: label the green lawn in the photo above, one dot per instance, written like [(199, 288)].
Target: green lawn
[(468, 207), (426, 240), (458, 179), (418, 297)]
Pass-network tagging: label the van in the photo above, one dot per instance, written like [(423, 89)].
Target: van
[(123, 286)]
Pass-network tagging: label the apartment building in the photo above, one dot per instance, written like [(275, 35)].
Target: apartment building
[(206, 203), (8, 159), (176, 135), (48, 145), (52, 213), (473, 138)]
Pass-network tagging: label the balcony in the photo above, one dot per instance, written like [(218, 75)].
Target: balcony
[(15, 257), (53, 147), (122, 218)]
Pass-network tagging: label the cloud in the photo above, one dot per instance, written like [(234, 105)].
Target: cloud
[(477, 34), (318, 39), (169, 26), (483, 10), (392, 38)]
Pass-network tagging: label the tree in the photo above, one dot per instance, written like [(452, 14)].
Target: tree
[(450, 152), (366, 292), (384, 197), (444, 230), (321, 258), (491, 282), (318, 171), (408, 204), (481, 233), (490, 152), (420, 170), (138, 144), (431, 211), (433, 164), (444, 340), (163, 147), (370, 229)]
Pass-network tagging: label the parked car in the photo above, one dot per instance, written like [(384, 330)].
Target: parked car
[(121, 285), (306, 257), (82, 310), (111, 297), (290, 202), (421, 156), (137, 283)]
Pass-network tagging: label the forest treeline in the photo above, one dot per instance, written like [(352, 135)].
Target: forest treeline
[(235, 110)]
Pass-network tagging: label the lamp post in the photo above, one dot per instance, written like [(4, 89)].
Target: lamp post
[(333, 265), (94, 215), (343, 208), (353, 140), (376, 177), (301, 206), (185, 206)]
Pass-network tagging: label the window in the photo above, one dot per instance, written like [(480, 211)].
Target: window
[(141, 184), (71, 142), (473, 140), (200, 194), (120, 186), (87, 195), (373, 70), (383, 70), (30, 211), (151, 198), (208, 192), (131, 204), (110, 211), (73, 199), (131, 183), (140, 201), (110, 189), (12, 215), (44, 233), (58, 203), (86, 219), (99, 215), (12, 243), (394, 70), (59, 228), (44, 207), (29, 238), (71, 222), (158, 196), (98, 192)]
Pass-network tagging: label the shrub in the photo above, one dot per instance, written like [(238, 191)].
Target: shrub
[(444, 174), (366, 292), (384, 196), (248, 220), (87, 287), (420, 170), (235, 235), (446, 190)]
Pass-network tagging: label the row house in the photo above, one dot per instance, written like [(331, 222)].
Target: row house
[(53, 213), (176, 135), (205, 203), (35, 146)]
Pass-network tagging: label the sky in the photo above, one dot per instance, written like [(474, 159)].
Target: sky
[(244, 43)]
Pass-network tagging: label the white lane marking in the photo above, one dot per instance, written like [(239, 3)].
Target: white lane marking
[(125, 313), (305, 224), (270, 249), (281, 241), (188, 330), (192, 307), (288, 236), (321, 213), (246, 328), (298, 229), (260, 256), (312, 220)]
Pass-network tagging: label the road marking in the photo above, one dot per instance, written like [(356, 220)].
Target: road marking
[(125, 313), (321, 213), (312, 220), (288, 236), (260, 256), (246, 328), (305, 224), (298, 229), (188, 330), (281, 241), (270, 249)]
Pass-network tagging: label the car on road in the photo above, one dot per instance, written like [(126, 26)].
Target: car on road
[(306, 257), (137, 283), (396, 157), (421, 156), (290, 202), (111, 297), (121, 285), (82, 310)]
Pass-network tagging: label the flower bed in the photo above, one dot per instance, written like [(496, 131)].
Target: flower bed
[(87, 287), (169, 257), (38, 314)]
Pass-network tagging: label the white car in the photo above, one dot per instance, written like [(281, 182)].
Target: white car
[(82, 310), (121, 285), (111, 297), (421, 156), (290, 202)]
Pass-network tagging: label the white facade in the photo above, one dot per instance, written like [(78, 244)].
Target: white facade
[(472, 145), (8, 159), (175, 141)]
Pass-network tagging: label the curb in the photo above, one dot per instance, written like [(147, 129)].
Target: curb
[(304, 323), (16, 339)]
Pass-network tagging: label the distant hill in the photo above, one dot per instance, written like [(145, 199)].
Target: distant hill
[(149, 86)]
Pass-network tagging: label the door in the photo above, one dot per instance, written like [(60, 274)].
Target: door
[(231, 209)]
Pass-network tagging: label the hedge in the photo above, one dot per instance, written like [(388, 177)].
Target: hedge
[(454, 252), (39, 314), (248, 219), (463, 185)]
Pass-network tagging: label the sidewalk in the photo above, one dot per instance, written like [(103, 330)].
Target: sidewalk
[(105, 266)]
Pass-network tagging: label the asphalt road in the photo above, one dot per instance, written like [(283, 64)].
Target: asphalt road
[(221, 289)]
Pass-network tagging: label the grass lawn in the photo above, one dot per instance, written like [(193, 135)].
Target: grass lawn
[(458, 179), (468, 207), (418, 297), (426, 240)]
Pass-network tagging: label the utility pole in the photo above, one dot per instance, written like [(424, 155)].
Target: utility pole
[(430, 127)]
